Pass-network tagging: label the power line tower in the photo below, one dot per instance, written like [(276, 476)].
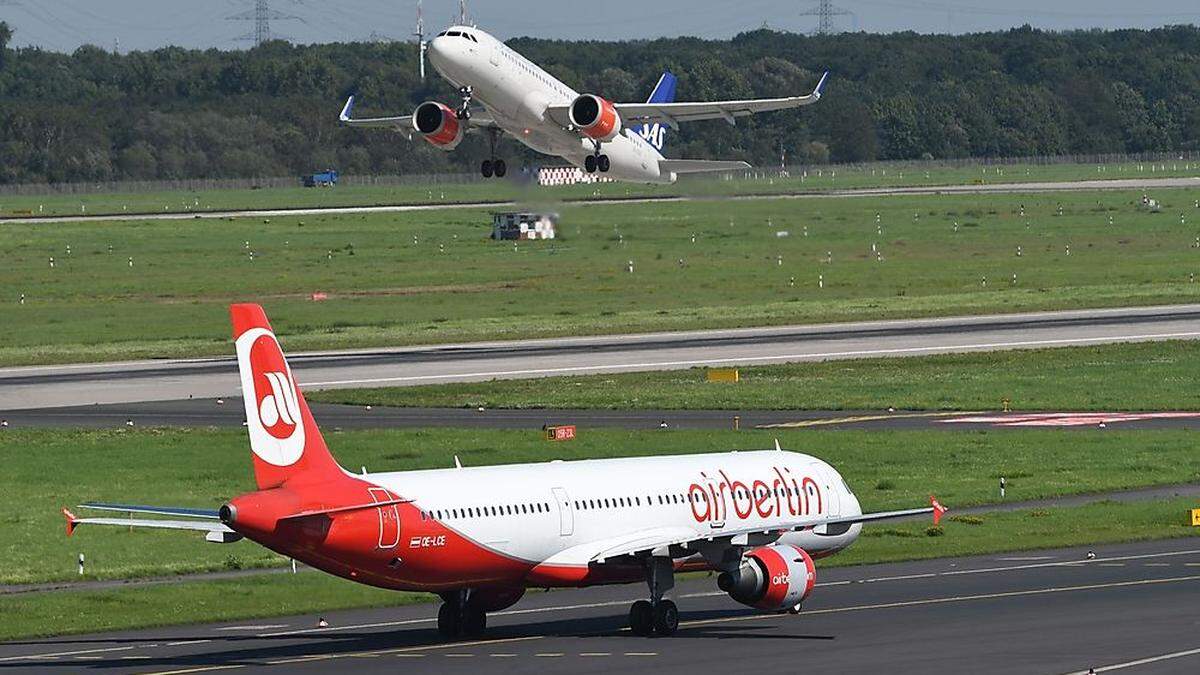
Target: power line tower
[(261, 15), (825, 11)]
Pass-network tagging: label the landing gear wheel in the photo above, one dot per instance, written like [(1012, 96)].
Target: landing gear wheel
[(602, 163), (500, 168), (487, 168), (641, 618), (449, 622), (589, 164), (474, 621), (666, 619)]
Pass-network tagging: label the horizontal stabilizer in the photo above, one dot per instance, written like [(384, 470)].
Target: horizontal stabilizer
[(699, 165), (207, 526), (157, 510)]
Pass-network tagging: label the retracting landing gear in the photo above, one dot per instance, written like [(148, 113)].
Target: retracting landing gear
[(458, 617), (492, 166), (656, 616), (596, 161)]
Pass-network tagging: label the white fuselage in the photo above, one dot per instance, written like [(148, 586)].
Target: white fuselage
[(517, 93), (533, 512)]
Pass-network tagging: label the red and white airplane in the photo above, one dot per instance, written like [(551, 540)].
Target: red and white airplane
[(534, 107), (479, 536)]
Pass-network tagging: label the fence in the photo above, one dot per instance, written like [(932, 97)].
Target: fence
[(206, 184)]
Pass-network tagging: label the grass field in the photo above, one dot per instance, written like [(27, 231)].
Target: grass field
[(58, 613), (434, 277), (815, 179), (1136, 376), (50, 469)]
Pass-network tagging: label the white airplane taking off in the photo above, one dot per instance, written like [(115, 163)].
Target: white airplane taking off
[(622, 140)]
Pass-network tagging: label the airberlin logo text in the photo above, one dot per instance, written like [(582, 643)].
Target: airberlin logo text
[(781, 494)]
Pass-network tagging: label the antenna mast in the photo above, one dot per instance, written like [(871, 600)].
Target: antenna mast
[(420, 35)]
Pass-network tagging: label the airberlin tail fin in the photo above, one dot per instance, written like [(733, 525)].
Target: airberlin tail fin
[(284, 438)]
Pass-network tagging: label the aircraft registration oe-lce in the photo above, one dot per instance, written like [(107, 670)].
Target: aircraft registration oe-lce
[(480, 536), (524, 101)]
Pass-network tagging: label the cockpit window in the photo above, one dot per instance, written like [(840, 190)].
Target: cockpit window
[(469, 36), (442, 33), (453, 33)]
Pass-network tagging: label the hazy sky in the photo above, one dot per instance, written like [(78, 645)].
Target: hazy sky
[(142, 24)]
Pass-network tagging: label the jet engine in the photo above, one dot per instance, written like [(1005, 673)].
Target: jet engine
[(439, 125), (775, 578), (595, 117)]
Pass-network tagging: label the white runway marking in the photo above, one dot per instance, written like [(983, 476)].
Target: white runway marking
[(1141, 662), (652, 365)]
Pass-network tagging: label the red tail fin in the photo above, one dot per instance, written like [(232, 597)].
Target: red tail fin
[(286, 442)]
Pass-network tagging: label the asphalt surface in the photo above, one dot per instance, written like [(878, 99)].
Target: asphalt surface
[(229, 412), (1132, 607), (165, 380), (990, 188)]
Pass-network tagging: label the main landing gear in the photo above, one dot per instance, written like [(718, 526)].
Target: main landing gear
[(656, 616), (596, 161), (492, 166), (458, 617)]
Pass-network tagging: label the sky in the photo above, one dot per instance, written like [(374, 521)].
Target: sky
[(63, 25)]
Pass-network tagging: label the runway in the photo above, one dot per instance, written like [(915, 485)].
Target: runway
[(985, 188), (166, 380), (1132, 607), (229, 412)]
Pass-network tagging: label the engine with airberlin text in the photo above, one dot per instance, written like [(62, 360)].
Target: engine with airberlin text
[(716, 497)]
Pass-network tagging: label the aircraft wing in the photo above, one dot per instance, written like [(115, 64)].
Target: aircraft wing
[(480, 119), (748, 536), (672, 114)]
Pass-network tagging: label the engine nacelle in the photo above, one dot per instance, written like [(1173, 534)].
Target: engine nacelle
[(595, 117), (439, 125), (774, 578)]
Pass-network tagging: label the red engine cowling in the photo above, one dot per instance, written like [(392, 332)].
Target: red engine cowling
[(439, 125), (775, 578), (595, 117)]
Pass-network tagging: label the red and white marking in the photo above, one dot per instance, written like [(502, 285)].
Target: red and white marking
[(1065, 419)]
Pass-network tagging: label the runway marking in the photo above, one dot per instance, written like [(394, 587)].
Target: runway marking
[(549, 655), (949, 599), (52, 655), (827, 421), (1065, 419), (1140, 662), (1156, 564), (198, 669), (188, 642), (503, 655), (650, 365), (641, 653), (458, 656), (595, 653)]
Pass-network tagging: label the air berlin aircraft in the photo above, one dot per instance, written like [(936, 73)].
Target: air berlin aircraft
[(534, 107), (479, 536)]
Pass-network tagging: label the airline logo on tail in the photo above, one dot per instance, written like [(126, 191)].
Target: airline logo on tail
[(272, 404), (664, 92)]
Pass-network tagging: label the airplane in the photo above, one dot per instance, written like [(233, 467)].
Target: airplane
[(480, 536), (621, 140)]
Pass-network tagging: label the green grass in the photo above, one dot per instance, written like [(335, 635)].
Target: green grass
[(58, 613), (46, 470), (1126, 377), (816, 179), (434, 277)]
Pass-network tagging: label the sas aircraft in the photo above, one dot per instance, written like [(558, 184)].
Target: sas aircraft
[(518, 98), (479, 536)]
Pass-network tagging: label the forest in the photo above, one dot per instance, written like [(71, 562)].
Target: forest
[(171, 113)]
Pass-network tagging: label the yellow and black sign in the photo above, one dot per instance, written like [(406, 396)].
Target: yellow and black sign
[(722, 375)]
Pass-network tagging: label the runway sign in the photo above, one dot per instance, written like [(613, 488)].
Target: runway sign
[(1195, 517), (723, 375), (564, 432)]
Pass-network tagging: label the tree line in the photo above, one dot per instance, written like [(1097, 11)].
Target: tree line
[(172, 113)]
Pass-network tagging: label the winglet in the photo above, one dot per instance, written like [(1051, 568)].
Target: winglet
[(347, 110), (938, 510), (777, 448), (72, 521), (820, 88)]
